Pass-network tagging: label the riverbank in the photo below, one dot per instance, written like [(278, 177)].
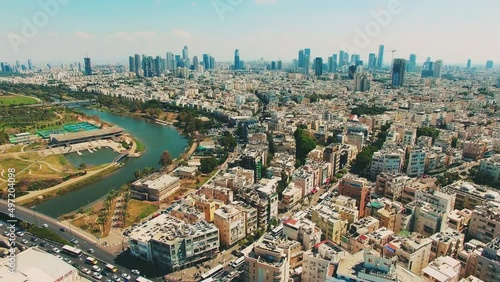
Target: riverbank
[(39, 196)]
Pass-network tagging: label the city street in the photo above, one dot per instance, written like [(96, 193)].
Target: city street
[(102, 254)]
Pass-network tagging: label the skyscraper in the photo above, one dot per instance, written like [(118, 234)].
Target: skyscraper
[(206, 61), (307, 61), (341, 59), (131, 64), (30, 64), (279, 65), (469, 62), (398, 72), (185, 56), (489, 64), (212, 63), (301, 59), (237, 59), (195, 62), (372, 61), (332, 63), (318, 66), (412, 63), (88, 66), (438, 68), (138, 65), (380, 62), (170, 64)]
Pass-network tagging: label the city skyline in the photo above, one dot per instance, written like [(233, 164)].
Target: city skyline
[(112, 38)]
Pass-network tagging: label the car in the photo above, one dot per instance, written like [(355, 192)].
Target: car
[(96, 268), (20, 233), (91, 251), (34, 239), (67, 260), (97, 275), (59, 257), (61, 229), (86, 271), (136, 272), (74, 241), (114, 277), (24, 241), (75, 265), (126, 276), (118, 279), (225, 273), (56, 250), (42, 244), (45, 225), (5, 233)]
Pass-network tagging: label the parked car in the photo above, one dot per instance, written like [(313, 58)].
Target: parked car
[(97, 275), (126, 276), (20, 233), (91, 251), (45, 225), (74, 241), (86, 271), (56, 250), (67, 260), (61, 229), (136, 272), (96, 268)]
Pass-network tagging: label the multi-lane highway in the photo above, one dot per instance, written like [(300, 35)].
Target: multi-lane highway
[(85, 243)]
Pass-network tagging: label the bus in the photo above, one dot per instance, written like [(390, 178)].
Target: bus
[(91, 260), (212, 272), (278, 231), (142, 279), (111, 268), (71, 251), (208, 280), (238, 262)]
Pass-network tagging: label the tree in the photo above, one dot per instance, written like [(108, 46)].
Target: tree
[(304, 144), (165, 159), (454, 142), (82, 166), (208, 164)]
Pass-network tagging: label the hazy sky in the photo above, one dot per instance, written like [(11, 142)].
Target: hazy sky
[(111, 30)]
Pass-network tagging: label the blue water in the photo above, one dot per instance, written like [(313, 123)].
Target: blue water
[(156, 138)]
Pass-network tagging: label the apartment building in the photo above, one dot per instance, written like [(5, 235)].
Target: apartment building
[(231, 224), (319, 263), (446, 243), (442, 269), (330, 222), (469, 195), (490, 168), (413, 252), (488, 263), (267, 261), (357, 188), (416, 162), (485, 223), (302, 230), (172, 244)]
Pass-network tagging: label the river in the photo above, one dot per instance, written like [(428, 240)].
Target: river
[(156, 138)]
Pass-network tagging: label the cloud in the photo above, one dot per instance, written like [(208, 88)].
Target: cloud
[(181, 34), (85, 35), (264, 2), (131, 36)]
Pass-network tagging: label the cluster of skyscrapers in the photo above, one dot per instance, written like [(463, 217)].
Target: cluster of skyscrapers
[(149, 66)]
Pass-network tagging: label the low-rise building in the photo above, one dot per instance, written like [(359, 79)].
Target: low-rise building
[(155, 187), (443, 269), (267, 261), (320, 263), (413, 252), (485, 223)]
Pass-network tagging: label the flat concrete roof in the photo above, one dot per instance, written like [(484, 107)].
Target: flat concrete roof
[(61, 138)]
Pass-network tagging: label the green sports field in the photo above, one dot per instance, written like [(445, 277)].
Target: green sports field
[(8, 100)]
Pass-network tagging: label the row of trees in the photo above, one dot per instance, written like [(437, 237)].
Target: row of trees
[(363, 160), (364, 110), (428, 131), (304, 143)]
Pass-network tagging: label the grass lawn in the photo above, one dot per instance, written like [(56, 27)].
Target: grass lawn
[(138, 210), (16, 100), (47, 234)]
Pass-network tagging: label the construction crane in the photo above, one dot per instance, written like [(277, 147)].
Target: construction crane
[(392, 57)]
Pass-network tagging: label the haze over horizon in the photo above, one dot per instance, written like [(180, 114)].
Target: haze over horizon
[(271, 29)]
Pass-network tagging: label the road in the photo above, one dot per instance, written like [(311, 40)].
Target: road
[(79, 262)]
